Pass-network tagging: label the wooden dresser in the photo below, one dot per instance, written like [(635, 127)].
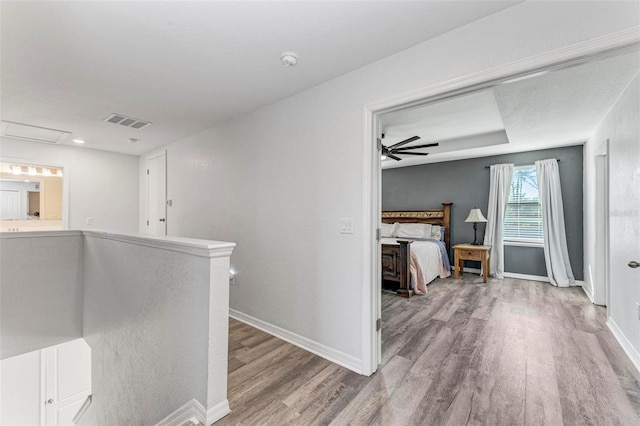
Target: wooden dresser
[(464, 252)]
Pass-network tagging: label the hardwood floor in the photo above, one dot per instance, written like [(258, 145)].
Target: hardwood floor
[(508, 352)]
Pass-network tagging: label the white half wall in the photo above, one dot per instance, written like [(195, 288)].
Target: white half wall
[(102, 185), (155, 315), (279, 180), (40, 290)]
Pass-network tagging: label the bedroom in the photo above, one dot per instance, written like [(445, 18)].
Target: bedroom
[(548, 115)]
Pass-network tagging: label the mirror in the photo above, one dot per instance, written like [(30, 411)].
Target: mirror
[(30, 197)]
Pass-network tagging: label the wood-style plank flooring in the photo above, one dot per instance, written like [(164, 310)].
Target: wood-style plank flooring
[(509, 352)]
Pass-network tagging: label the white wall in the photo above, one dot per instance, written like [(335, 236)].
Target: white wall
[(277, 181), (20, 397), (621, 126), (41, 288), (102, 185)]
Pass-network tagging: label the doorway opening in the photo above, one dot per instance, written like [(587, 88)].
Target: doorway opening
[(525, 74)]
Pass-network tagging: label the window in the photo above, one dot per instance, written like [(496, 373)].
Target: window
[(523, 216)]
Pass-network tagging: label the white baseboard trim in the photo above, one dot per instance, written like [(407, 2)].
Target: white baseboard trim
[(628, 348), (522, 276), (217, 412), (526, 277), (195, 412), (352, 363), (586, 286)]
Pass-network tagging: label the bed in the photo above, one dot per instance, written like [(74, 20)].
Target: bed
[(409, 262)]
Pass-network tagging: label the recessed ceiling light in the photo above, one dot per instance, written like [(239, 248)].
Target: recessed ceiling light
[(78, 141), (289, 59)]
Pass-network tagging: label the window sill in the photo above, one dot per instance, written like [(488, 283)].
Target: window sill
[(523, 244)]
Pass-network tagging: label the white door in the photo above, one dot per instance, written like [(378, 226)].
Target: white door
[(157, 194), (67, 381), (9, 204), (45, 387), (624, 220)]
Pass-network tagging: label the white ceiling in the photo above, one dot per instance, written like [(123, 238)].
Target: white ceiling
[(554, 109), (186, 66)]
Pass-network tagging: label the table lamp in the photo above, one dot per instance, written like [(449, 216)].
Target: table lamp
[(475, 216)]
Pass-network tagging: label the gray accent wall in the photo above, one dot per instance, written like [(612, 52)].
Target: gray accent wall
[(465, 183)]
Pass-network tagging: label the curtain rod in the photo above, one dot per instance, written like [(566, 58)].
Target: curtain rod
[(518, 165)]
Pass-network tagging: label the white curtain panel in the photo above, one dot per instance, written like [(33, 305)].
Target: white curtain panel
[(556, 254), (499, 187)]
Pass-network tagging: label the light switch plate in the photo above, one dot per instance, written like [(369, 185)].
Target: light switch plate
[(346, 225)]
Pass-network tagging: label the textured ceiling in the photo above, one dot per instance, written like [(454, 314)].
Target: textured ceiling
[(553, 109), (186, 66)]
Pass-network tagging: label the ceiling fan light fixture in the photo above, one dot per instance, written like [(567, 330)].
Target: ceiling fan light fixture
[(289, 59)]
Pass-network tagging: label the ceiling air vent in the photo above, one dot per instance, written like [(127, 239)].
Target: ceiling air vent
[(123, 120), (28, 132)]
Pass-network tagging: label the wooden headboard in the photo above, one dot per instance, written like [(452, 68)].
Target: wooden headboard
[(440, 217)]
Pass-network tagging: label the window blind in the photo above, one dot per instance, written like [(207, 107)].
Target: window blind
[(523, 215)]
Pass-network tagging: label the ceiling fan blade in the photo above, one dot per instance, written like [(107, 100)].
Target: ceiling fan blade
[(394, 157), (427, 145), (409, 153), (404, 142)]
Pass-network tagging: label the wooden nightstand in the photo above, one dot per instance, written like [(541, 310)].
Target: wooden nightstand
[(464, 252)]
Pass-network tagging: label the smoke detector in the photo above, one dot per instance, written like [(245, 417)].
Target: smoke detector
[(289, 59)]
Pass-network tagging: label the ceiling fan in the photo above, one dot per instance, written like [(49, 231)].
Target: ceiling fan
[(396, 149)]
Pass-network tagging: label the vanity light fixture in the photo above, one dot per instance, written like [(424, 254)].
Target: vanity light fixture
[(46, 172), (383, 157), (32, 171), (16, 170)]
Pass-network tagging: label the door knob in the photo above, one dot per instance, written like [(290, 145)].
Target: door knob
[(50, 401), (162, 220), (633, 264)]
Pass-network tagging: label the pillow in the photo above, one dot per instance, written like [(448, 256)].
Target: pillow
[(413, 230), (436, 232), (387, 230), (442, 231)]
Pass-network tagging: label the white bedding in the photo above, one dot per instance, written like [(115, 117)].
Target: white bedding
[(429, 259)]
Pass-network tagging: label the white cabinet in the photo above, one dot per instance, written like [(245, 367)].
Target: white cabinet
[(45, 387)]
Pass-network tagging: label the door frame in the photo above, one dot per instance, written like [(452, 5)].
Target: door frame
[(576, 54), (601, 289), (144, 189)]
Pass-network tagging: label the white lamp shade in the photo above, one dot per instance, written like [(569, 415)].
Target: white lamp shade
[(475, 215)]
